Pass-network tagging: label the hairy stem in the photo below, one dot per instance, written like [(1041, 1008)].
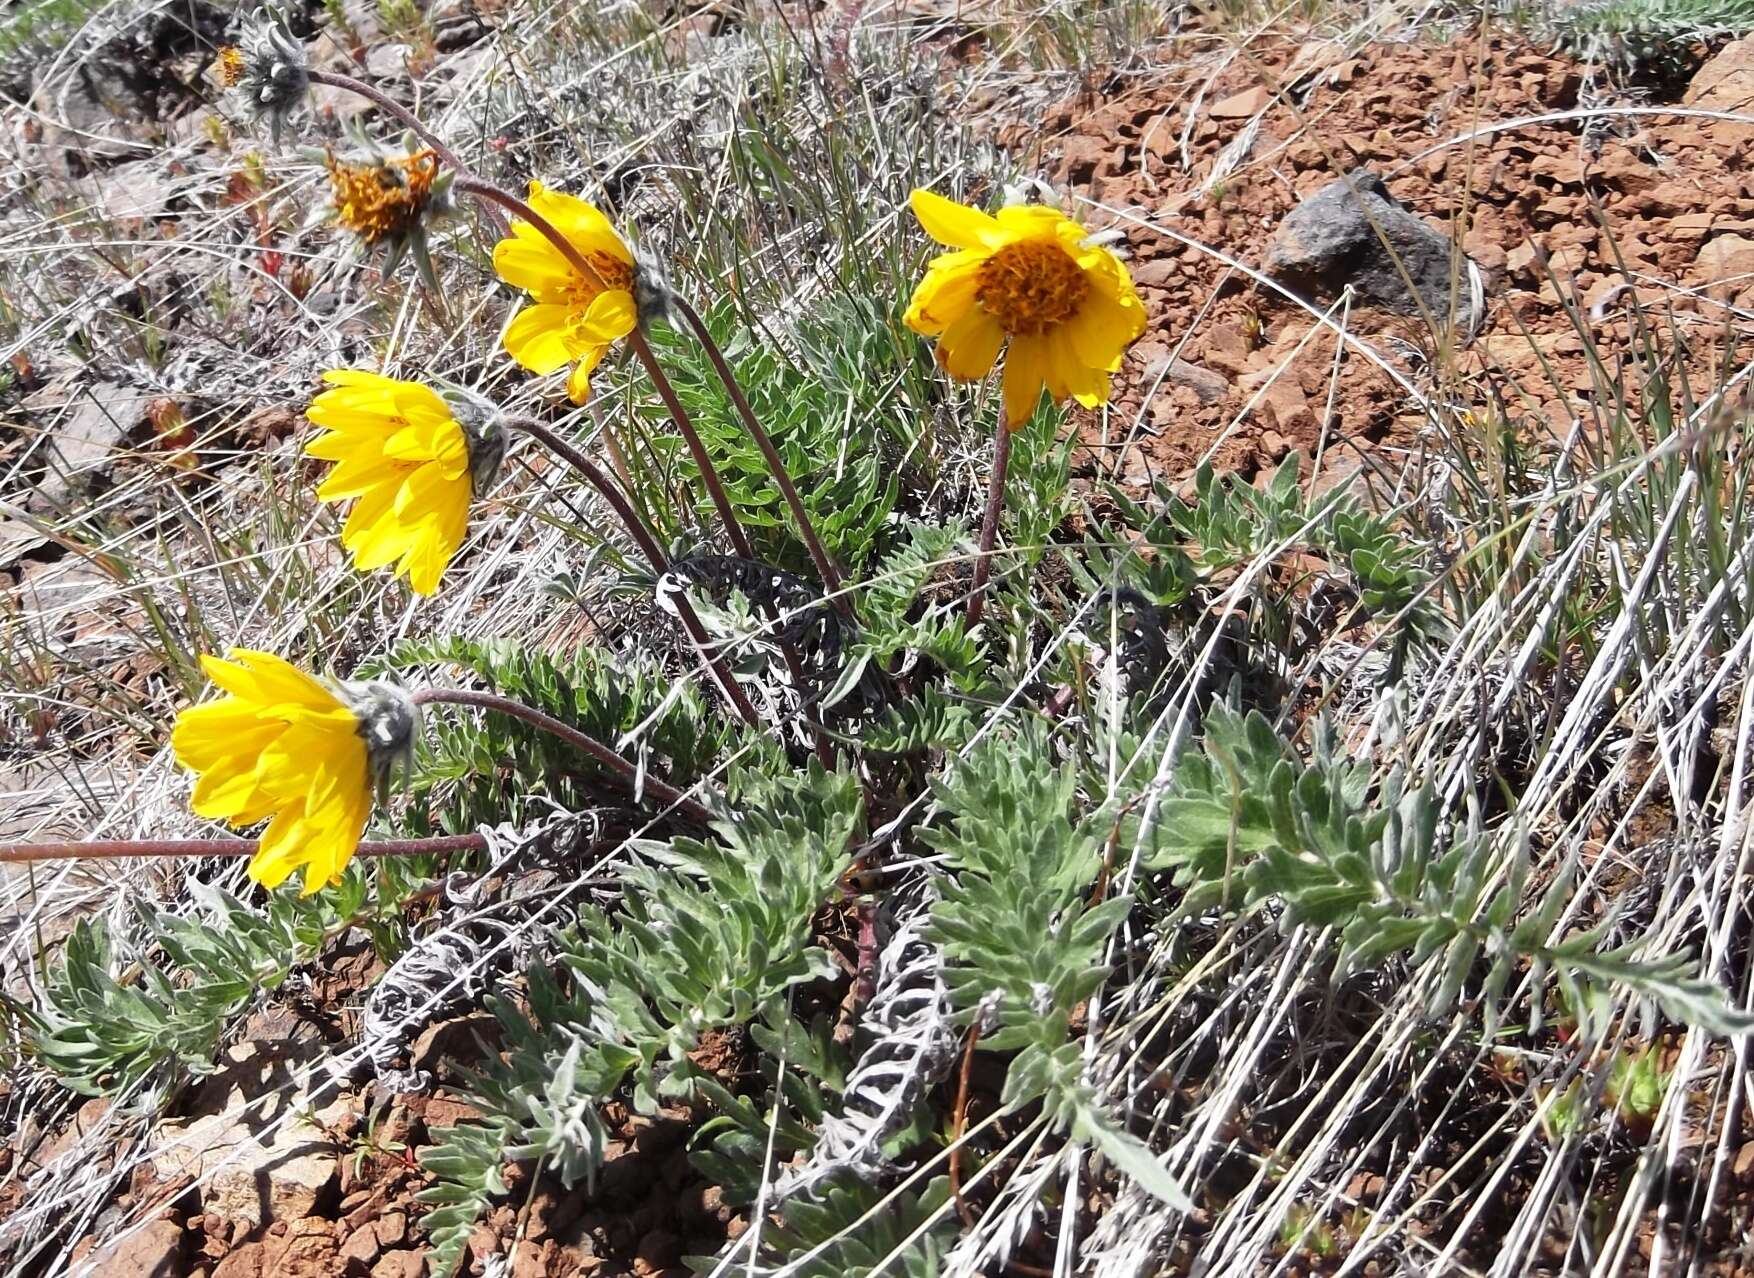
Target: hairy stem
[(649, 547), (825, 566), (990, 520), (661, 790), (594, 475), (115, 849)]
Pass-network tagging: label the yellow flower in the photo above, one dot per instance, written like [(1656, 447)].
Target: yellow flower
[(572, 317), (402, 453), (283, 748), (1028, 276)]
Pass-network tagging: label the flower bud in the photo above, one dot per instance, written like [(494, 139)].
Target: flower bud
[(484, 430), (653, 298), (269, 70)]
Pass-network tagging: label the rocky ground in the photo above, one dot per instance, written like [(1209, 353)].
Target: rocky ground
[(1576, 233), (1638, 219)]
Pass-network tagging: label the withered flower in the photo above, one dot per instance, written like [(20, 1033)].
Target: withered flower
[(388, 199)]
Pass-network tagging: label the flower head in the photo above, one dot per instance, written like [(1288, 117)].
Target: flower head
[(1028, 279), (229, 65), (269, 69), (573, 316), (388, 199), (411, 460), (282, 747)]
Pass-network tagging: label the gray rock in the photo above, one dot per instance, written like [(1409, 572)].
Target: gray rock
[(139, 191), (1211, 387), (82, 427), (1352, 232), (254, 1159)]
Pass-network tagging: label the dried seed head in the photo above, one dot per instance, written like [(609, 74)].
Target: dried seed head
[(229, 65), (381, 199), (269, 70), (389, 199)]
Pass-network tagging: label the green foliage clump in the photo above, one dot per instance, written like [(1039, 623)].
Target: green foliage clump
[(710, 935), (1164, 553), (1025, 943), (822, 411), (1658, 40), (856, 1229), (105, 1033), (1246, 821)]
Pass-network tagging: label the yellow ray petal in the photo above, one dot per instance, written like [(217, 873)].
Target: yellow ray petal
[(1103, 328), (970, 345), (527, 260), (953, 224), (537, 338), (610, 317), (582, 223), (945, 295), (1025, 371)]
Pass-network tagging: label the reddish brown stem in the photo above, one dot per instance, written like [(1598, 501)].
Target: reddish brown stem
[(389, 106), (594, 475), (115, 849), (663, 791), (825, 566), (990, 520), (959, 1123), (649, 547)]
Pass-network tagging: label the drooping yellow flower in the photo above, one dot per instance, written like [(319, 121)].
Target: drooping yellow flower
[(401, 452), (572, 317), (283, 748), (1027, 276)]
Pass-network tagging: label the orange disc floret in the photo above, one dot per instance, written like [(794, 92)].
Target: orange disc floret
[(376, 201)]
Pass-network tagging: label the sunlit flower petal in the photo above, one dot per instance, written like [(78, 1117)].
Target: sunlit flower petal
[(970, 345), (574, 315), (1027, 279), (1025, 373), (955, 225), (404, 459), (281, 746)]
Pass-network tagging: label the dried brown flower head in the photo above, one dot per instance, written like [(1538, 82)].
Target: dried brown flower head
[(382, 198), (389, 198)]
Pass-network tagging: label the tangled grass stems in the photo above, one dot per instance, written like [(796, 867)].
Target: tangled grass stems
[(1207, 990)]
